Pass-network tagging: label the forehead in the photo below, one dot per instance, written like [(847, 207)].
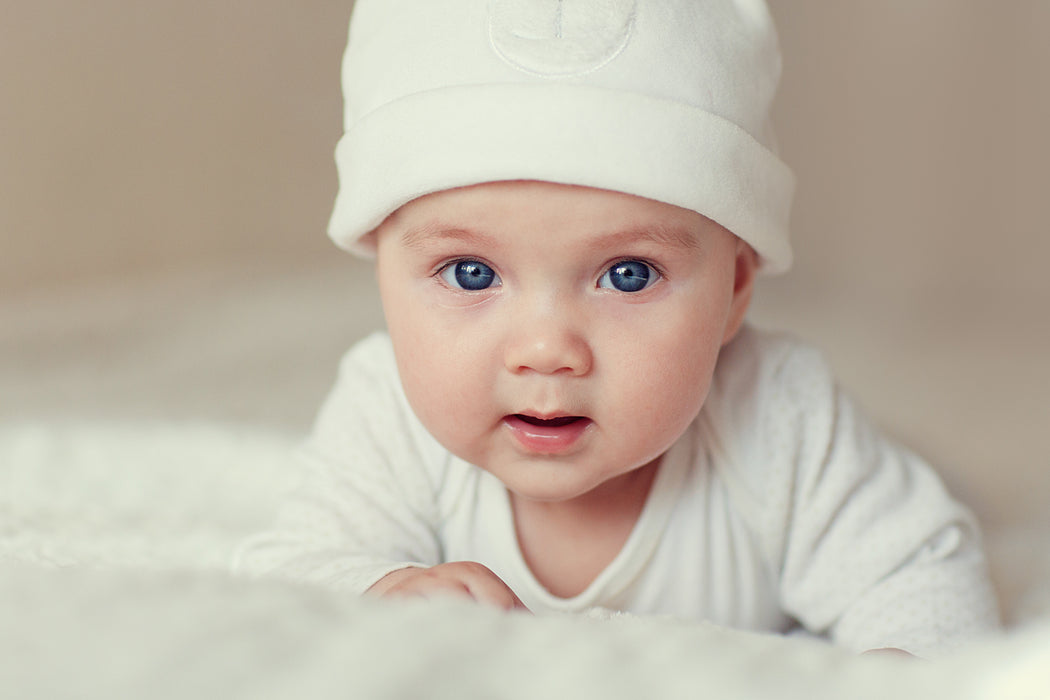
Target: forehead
[(540, 209)]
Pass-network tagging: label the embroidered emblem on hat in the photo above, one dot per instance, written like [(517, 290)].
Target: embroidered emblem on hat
[(560, 38)]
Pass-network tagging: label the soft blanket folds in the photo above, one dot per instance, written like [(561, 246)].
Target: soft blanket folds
[(114, 540)]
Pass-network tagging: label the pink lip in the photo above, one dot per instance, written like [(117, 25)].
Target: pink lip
[(547, 436)]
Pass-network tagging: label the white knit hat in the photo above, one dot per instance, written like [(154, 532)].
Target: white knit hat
[(666, 99)]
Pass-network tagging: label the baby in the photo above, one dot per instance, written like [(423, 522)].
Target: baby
[(568, 203)]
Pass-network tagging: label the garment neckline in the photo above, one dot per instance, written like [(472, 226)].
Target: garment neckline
[(631, 558)]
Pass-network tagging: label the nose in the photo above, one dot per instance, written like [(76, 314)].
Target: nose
[(548, 344)]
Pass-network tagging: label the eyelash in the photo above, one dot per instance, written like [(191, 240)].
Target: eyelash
[(451, 266), (653, 274)]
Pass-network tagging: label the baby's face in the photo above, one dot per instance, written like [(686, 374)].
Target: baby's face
[(558, 337)]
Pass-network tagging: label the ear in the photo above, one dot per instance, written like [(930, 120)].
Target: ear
[(743, 284)]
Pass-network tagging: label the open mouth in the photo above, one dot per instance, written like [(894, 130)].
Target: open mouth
[(548, 422), (547, 435)]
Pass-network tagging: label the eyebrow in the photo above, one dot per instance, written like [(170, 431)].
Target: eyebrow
[(419, 236), (659, 234)]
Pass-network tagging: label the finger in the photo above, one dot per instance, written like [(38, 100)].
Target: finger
[(486, 587), (429, 586)]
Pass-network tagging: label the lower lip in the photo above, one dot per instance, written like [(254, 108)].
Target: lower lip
[(545, 439)]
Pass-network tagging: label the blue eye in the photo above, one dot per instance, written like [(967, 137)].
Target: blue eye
[(628, 276), (470, 275)]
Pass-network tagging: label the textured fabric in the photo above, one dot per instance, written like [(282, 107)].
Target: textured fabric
[(665, 99), (112, 539), (779, 506)]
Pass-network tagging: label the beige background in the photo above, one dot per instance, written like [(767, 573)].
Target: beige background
[(140, 137)]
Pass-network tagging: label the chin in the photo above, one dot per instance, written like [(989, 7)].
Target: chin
[(549, 491), (544, 496)]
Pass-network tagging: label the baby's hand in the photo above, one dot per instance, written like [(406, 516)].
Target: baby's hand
[(460, 578)]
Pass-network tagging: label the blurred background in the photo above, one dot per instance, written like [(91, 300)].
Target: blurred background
[(163, 163)]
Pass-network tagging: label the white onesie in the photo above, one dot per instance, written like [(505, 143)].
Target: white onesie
[(779, 506)]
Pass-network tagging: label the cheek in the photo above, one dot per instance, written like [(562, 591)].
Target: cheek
[(666, 374), (442, 370), (417, 346), (675, 379)]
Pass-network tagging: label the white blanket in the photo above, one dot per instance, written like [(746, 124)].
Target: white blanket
[(130, 467)]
